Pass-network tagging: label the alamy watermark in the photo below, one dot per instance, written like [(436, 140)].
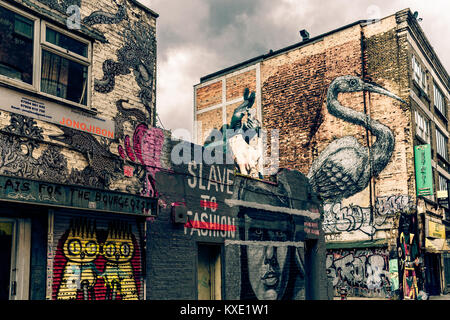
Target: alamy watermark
[(250, 150), (73, 22)]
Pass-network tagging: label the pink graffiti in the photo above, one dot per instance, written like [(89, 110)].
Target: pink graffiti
[(146, 148)]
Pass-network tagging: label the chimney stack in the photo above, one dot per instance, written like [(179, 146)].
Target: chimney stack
[(304, 34)]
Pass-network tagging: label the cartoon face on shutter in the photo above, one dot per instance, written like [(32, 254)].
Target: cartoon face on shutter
[(81, 244), (118, 247)]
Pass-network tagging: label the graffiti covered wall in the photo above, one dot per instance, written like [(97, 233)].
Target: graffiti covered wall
[(262, 227), (364, 272), (109, 146), (71, 151), (333, 101), (96, 259)]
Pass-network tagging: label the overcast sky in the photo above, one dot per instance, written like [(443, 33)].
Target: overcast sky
[(198, 37)]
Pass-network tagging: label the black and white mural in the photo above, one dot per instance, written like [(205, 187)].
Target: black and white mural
[(344, 168)]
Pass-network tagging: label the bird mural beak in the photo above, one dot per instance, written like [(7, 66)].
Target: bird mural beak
[(380, 90)]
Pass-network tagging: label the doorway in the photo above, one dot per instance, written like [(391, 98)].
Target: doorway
[(432, 274), (7, 263), (15, 235), (209, 272)]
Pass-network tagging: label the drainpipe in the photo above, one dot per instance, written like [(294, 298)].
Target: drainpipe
[(368, 140)]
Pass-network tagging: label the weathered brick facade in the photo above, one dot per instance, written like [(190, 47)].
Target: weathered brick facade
[(292, 86), (96, 193)]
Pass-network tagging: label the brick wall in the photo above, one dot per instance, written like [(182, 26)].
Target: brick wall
[(294, 86), (207, 193), (221, 97), (123, 66)]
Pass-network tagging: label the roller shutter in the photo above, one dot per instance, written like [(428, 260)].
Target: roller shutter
[(96, 257)]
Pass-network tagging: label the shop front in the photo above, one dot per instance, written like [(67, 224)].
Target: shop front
[(434, 256), (64, 242)]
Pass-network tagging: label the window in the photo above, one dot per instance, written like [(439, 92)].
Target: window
[(16, 46), (419, 74), (441, 144), (64, 58), (422, 127), (64, 70), (442, 183), (439, 101)]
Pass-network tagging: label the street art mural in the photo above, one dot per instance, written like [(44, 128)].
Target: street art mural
[(345, 167), (364, 272), (241, 138), (146, 147), (338, 219), (18, 142), (206, 189), (272, 265), (138, 56), (267, 261), (106, 165), (96, 264), (410, 274)]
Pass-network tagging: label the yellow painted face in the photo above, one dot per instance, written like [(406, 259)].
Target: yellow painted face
[(81, 249), (118, 250)]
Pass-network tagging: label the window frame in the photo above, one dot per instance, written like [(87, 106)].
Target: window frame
[(65, 53), (36, 56), (438, 144), (421, 80), (437, 90), (427, 130), (443, 179), (40, 44)]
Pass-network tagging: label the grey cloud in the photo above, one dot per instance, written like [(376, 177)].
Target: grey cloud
[(232, 31)]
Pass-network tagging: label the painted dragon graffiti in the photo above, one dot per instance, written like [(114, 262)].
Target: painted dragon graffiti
[(138, 54), (22, 138)]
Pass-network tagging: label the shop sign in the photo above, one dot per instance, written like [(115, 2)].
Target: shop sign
[(49, 111), (424, 173), (435, 230), (52, 194)]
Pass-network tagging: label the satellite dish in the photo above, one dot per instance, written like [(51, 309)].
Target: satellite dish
[(416, 16)]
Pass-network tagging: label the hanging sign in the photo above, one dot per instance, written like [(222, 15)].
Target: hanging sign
[(424, 172)]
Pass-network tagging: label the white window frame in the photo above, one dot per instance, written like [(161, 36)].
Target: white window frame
[(86, 61), (441, 144), (40, 44), (422, 127), (419, 73), (439, 100)]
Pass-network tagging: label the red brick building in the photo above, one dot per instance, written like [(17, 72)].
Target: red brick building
[(356, 144)]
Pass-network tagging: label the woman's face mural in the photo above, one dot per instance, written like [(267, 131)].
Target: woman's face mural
[(268, 271), (267, 258)]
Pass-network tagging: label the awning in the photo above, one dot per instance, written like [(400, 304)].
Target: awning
[(379, 243), (436, 245)]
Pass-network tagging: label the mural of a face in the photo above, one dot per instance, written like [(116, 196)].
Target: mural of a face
[(81, 245), (81, 249), (118, 248), (268, 266)]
